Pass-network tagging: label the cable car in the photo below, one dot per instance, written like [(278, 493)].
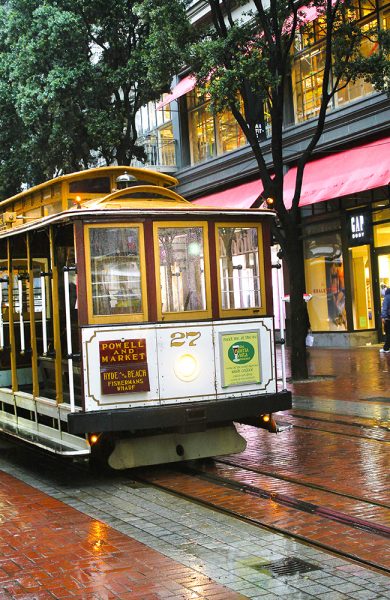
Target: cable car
[(135, 327)]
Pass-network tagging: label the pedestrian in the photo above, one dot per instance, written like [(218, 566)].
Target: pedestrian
[(385, 314)]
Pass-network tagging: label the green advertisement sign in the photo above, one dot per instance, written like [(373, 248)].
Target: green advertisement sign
[(240, 354)]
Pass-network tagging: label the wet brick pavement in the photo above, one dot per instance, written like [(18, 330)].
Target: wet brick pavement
[(360, 374), (89, 538)]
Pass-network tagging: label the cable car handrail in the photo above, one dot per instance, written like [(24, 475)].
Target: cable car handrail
[(66, 271), (44, 315), (21, 318), (2, 280)]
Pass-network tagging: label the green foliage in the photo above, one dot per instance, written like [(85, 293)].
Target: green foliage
[(74, 73)]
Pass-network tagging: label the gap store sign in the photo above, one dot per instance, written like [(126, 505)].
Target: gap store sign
[(359, 227)]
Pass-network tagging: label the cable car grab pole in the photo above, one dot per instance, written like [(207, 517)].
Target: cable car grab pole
[(21, 320), (44, 317), (69, 336), (1, 315)]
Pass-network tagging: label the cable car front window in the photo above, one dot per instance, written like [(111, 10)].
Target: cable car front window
[(182, 269), (239, 267), (115, 270)]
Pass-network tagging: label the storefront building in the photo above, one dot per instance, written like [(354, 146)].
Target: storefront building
[(345, 208), (345, 202), (347, 243)]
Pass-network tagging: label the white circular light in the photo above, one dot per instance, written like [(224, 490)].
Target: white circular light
[(186, 367), (194, 249)]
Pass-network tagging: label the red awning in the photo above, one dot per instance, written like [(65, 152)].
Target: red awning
[(183, 87), (241, 196), (349, 172)]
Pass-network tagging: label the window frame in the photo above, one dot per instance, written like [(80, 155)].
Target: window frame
[(193, 315), (122, 317), (243, 312)]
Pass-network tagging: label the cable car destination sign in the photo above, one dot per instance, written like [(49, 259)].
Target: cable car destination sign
[(123, 366)]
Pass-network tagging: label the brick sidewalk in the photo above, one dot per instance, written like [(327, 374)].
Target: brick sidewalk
[(49, 550), (349, 374)]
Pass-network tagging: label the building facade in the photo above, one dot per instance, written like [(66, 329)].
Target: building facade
[(345, 203)]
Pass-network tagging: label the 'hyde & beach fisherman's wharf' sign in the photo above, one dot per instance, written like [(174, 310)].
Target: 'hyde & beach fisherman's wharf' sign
[(123, 366)]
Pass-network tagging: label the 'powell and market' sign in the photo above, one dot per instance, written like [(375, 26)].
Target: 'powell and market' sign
[(359, 226), (123, 366)]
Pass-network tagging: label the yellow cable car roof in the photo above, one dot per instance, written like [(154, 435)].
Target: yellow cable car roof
[(140, 195), (144, 175)]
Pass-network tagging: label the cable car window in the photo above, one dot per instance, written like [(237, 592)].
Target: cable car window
[(115, 270), (182, 264), (239, 270), (96, 185)]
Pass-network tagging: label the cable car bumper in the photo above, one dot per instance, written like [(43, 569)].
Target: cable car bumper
[(184, 418)]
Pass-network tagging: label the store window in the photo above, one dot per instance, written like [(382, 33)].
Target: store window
[(361, 287), (211, 135), (324, 274), (309, 60), (155, 135), (381, 219), (384, 273), (202, 134)]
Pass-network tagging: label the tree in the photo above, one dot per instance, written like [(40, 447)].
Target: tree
[(44, 74), (74, 73), (244, 64)]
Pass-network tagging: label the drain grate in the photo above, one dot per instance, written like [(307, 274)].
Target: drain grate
[(288, 566)]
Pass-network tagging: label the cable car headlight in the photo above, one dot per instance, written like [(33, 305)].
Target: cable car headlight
[(93, 438), (186, 367)]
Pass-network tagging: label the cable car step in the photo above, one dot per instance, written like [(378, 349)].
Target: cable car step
[(44, 440)]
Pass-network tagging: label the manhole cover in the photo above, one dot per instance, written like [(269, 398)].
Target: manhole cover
[(287, 566)]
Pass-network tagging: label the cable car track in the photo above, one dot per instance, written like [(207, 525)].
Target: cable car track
[(308, 507), (241, 500), (367, 431), (313, 486), (295, 413)]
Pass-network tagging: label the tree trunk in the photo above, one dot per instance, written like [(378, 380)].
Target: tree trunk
[(298, 308)]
